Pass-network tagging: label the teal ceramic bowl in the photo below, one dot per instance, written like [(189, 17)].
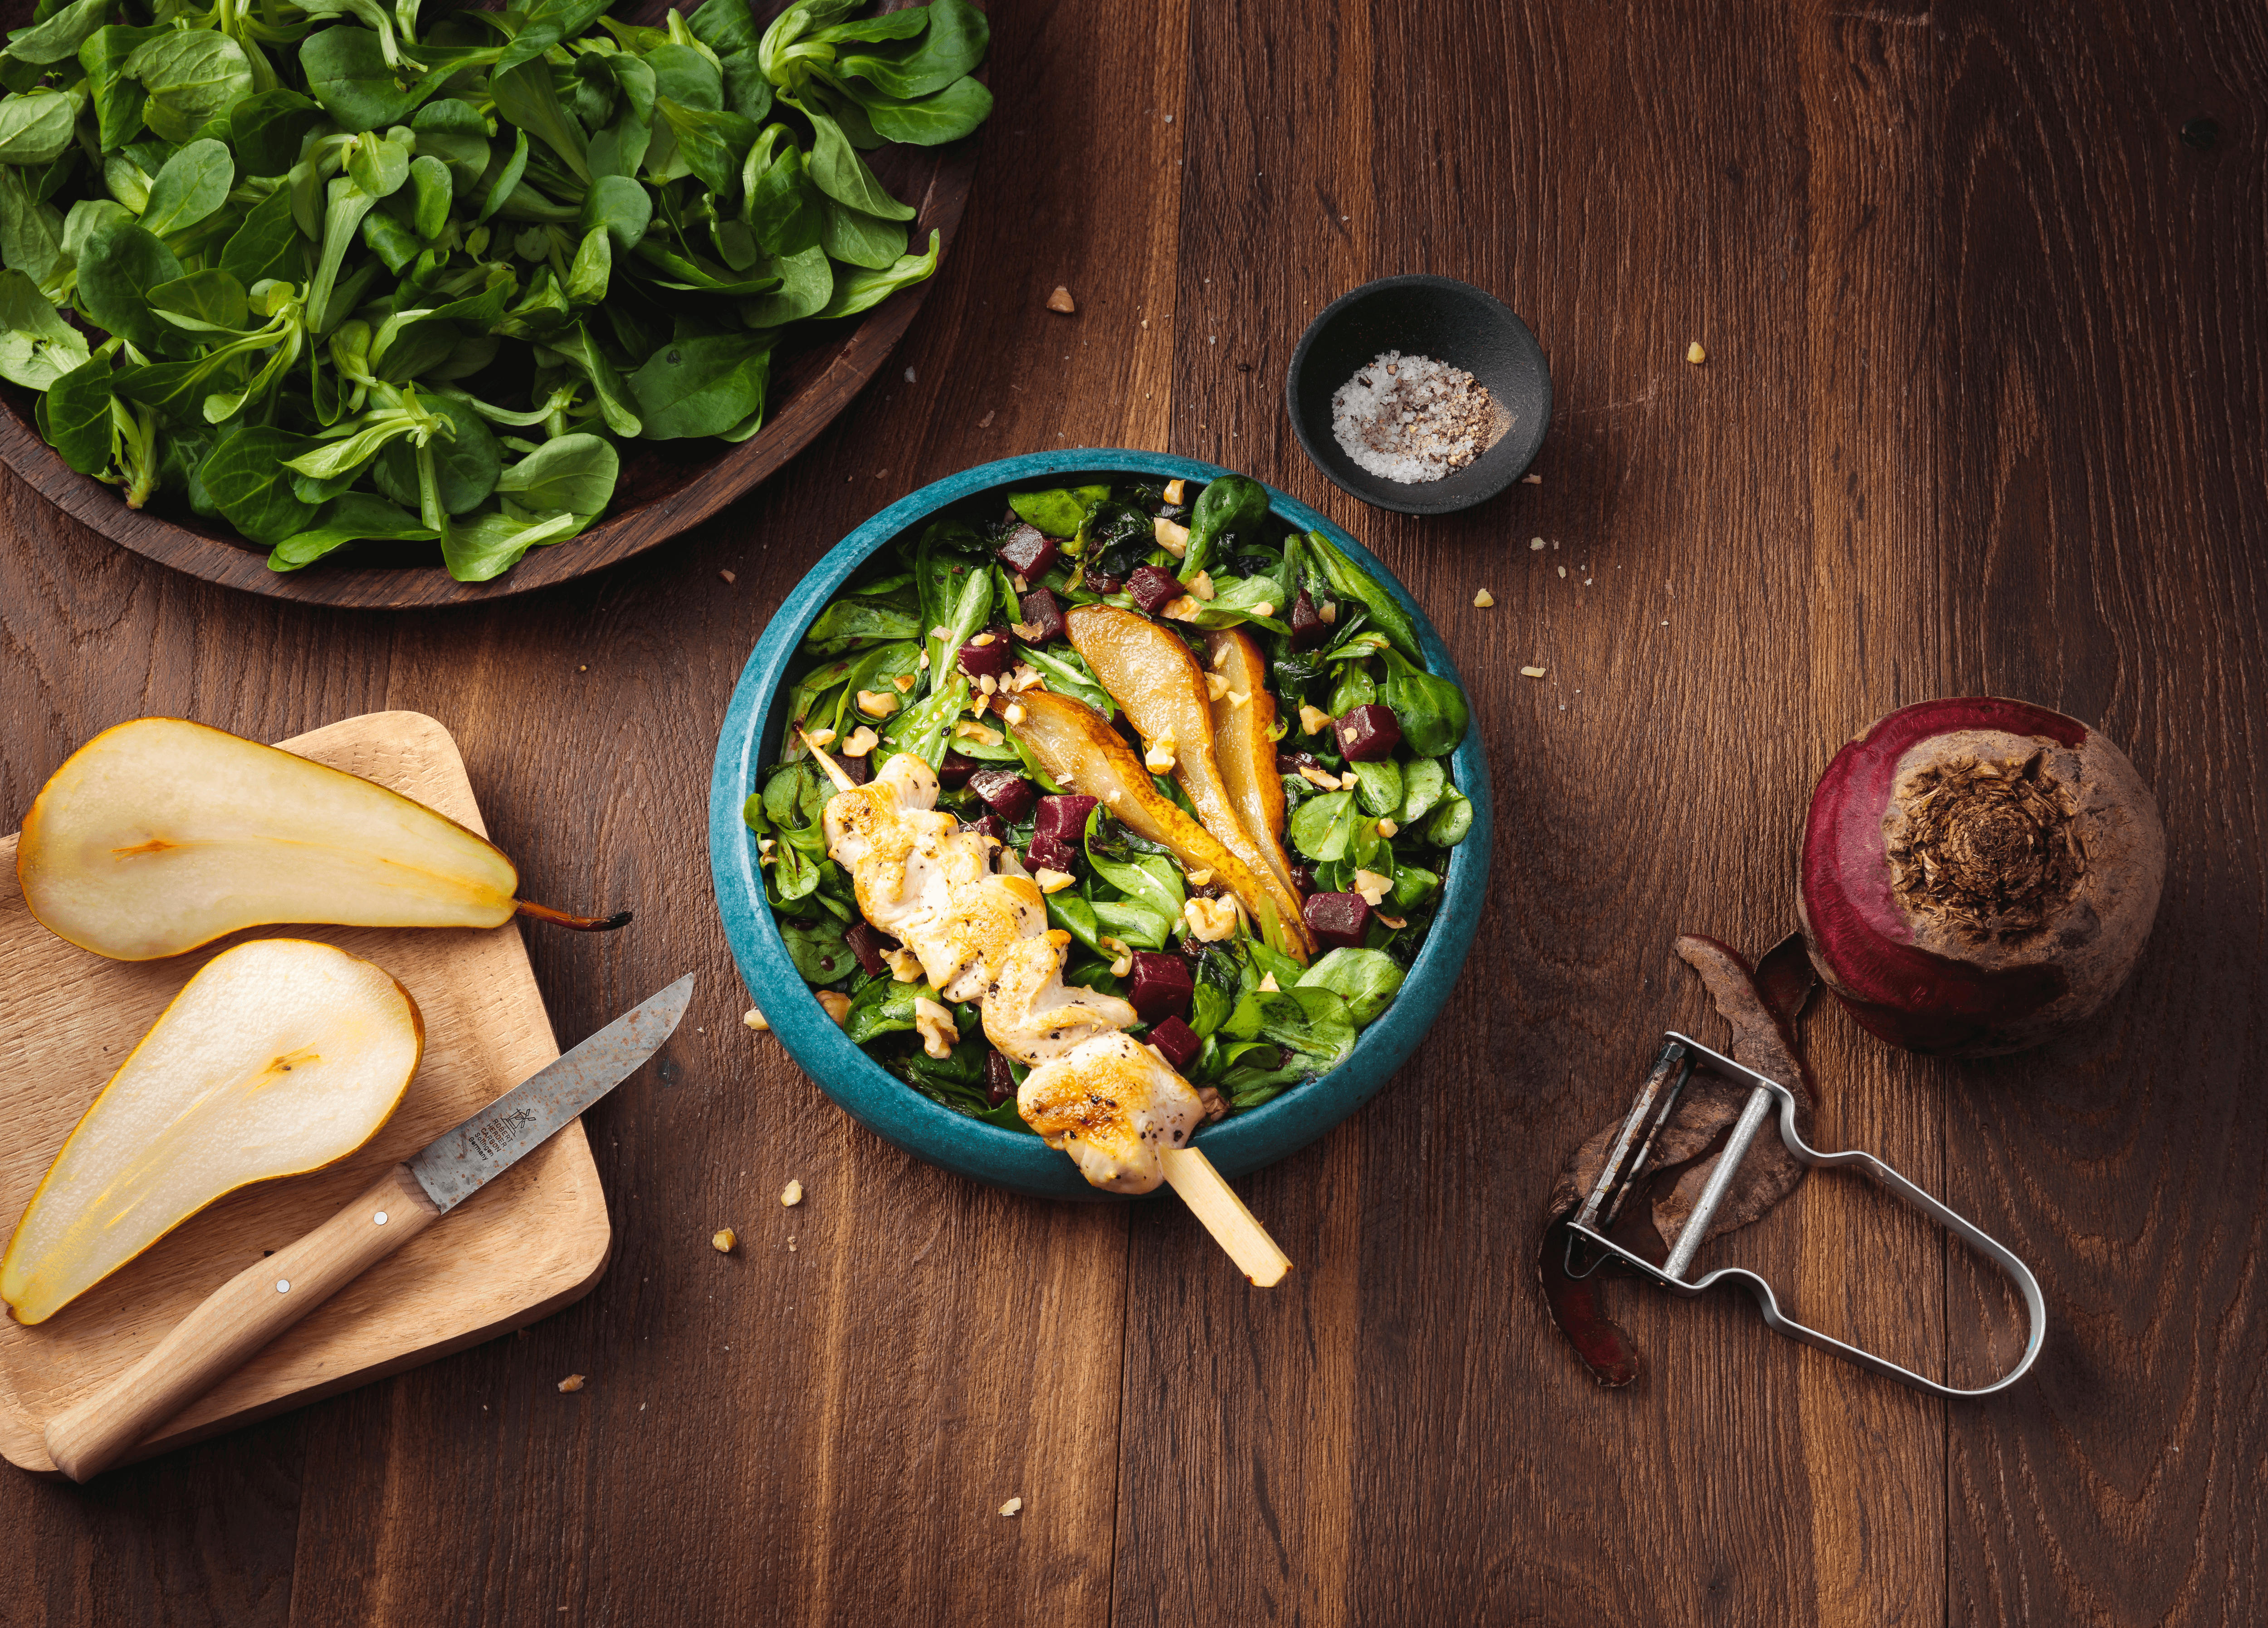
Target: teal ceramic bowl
[(887, 1105)]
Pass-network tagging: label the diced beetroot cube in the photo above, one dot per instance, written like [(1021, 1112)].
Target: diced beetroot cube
[(867, 942), (1103, 584), (1044, 615), (989, 659), (1049, 852), (1063, 818), (1161, 986), (990, 826), (1005, 792), (1177, 1040), (1028, 551), (1368, 733), (1000, 1083), (1338, 920), (1303, 878), (1152, 587), (1308, 630), (954, 773), (860, 770)]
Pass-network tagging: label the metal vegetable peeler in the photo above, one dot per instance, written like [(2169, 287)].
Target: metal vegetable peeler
[(1657, 1100)]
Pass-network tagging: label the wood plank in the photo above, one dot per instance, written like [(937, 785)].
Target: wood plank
[(2102, 340)]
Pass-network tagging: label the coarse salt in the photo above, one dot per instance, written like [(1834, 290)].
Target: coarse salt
[(1411, 419)]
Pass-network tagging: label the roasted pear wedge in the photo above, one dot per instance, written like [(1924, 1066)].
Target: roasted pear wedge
[(281, 1055), (1151, 674), (161, 835), (1079, 749), (1244, 746)]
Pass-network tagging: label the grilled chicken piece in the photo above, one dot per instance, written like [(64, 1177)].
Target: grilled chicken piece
[(1111, 1103), (966, 947), (1031, 1015)]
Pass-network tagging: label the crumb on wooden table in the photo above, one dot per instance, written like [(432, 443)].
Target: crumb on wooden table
[(1484, 599), (1061, 300), (728, 576), (1695, 354), (573, 1382), (724, 1240), (755, 1020), (1532, 672), (791, 1195), (1012, 1507)]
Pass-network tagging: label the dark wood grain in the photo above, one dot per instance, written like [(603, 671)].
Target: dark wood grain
[(666, 486), (1982, 410)]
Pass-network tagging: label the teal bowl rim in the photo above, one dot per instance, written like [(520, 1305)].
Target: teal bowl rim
[(893, 1109)]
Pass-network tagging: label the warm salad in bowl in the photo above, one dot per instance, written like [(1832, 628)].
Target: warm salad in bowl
[(1108, 811)]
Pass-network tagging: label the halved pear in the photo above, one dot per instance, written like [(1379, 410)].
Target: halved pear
[(1244, 745), (281, 1055), (161, 835)]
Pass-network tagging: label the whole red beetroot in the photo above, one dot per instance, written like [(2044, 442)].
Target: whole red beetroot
[(1979, 875)]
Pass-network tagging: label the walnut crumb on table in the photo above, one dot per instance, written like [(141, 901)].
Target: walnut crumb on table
[(572, 1383), (1061, 300), (755, 1019), (1695, 354), (1535, 545), (791, 1195), (724, 1240), (1012, 1507), (1532, 672), (1483, 599)]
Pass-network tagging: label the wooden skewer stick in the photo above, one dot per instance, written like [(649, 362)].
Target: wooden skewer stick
[(1200, 1187), (1232, 1226)]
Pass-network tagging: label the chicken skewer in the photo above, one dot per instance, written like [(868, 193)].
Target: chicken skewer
[(1113, 1105)]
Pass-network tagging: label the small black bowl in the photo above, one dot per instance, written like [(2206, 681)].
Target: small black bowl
[(1450, 321)]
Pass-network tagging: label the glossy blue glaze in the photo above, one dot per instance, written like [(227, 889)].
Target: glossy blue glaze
[(893, 1109)]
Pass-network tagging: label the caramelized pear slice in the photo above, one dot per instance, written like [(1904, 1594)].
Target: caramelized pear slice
[(281, 1055), (1151, 674), (162, 834), (1079, 749), (1244, 746)]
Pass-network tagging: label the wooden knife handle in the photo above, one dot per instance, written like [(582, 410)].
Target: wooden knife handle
[(235, 1321)]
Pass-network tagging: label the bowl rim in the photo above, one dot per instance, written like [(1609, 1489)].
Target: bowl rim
[(1523, 338), (903, 1116)]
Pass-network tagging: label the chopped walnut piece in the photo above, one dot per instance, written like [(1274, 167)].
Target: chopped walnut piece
[(791, 1195), (837, 1005), (935, 1025), (1210, 920), (980, 640), (1025, 678), (724, 1240), (819, 738), (1015, 1505), (1216, 685), (1183, 608), (860, 741), (1024, 630), (1533, 671), (1013, 712), (968, 729), (1372, 887), (1394, 921), (1387, 828), (1159, 758), (1314, 720), (1174, 539), (1483, 599), (1201, 585), (1321, 779), (1174, 489), (1051, 881), (905, 966), (905, 682), (1695, 354), (1061, 300), (1202, 877), (988, 684), (1268, 984), (1266, 607), (877, 704), (756, 1020), (572, 1383), (1216, 1106), (1328, 611)]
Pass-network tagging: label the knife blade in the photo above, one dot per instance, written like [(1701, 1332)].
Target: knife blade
[(250, 1309), (456, 1164)]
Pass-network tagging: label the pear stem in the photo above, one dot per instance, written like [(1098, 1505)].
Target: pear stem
[(580, 924)]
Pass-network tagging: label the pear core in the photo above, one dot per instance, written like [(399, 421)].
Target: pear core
[(161, 835), (281, 1055)]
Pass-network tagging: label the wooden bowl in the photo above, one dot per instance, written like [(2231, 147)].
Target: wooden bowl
[(667, 486)]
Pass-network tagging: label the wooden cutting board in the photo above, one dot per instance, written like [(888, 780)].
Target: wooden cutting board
[(527, 1244)]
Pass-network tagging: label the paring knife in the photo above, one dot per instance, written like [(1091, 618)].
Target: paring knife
[(267, 1297)]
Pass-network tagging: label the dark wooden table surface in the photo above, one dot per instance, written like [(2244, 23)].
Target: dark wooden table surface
[(1983, 286)]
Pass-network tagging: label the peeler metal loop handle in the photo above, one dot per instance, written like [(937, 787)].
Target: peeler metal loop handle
[(1671, 1275)]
